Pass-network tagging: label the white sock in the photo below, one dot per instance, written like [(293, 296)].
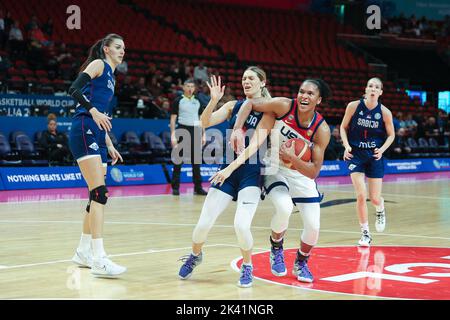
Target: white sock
[(276, 240), (365, 226), (85, 242), (247, 264), (97, 247), (380, 208)]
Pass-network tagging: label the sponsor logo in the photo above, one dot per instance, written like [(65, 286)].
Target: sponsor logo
[(89, 131), (398, 272), (94, 146), (309, 133), (116, 175), (361, 113), (367, 145), (441, 164), (351, 167)]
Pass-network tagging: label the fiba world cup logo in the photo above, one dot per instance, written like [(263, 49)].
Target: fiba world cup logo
[(116, 175)]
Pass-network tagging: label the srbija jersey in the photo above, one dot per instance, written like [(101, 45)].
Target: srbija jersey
[(288, 127)]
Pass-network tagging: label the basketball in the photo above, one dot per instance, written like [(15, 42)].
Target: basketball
[(302, 150)]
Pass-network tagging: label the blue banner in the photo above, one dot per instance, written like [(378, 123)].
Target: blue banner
[(135, 175), (19, 105), (69, 177)]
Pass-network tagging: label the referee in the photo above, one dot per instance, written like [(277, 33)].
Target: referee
[(185, 113)]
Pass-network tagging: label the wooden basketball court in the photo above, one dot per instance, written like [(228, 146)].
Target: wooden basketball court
[(148, 233)]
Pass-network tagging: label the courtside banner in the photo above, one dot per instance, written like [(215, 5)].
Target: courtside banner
[(41, 177), (206, 171), (417, 165), (334, 168), (135, 175)]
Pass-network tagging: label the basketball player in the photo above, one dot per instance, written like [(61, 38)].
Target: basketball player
[(243, 185), (295, 118), (89, 143), (367, 130)]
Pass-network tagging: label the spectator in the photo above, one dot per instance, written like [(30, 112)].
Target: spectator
[(431, 129), (54, 143), (335, 149), (47, 28), (201, 73), (410, 125), (400, 148), (2, 30), (203, 94), (16, 39), (37, 37), (9, 22), (30, 25), (126, 94)]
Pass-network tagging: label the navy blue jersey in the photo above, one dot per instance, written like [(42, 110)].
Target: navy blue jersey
[(250, 125), (99, 91), (367, 130), (248, 174)]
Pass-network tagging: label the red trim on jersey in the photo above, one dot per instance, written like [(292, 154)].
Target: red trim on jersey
[(291, 119)]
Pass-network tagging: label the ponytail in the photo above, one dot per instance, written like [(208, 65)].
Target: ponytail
[(97, 52)]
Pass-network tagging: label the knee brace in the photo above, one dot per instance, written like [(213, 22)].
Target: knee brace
[(99, 195)]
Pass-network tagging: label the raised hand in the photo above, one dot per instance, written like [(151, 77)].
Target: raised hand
[(215, 88)]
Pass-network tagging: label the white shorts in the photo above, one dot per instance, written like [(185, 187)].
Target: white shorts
[(301, 189)]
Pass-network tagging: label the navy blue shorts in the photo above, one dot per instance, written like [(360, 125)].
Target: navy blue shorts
[(242, 177), (87, 139), (363, 161)]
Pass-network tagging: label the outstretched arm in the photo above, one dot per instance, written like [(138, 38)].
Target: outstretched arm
[(276, 106), (259, 136)]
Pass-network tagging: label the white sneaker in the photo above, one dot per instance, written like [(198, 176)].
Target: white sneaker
[(83, 259), (105, 268), (380, 221), (365, 240)]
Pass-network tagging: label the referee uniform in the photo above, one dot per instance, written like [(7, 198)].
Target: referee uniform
[(187, 111)]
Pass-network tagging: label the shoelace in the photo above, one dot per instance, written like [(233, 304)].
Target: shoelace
[(303, 268), (278, 256), (189, 259), (246, 272)]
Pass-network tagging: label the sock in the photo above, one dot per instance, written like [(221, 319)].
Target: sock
[(276, 244), (247, 264), (85, 242), (97, 247), (380, 208), (364, 227), (196, 255), (302, 256)]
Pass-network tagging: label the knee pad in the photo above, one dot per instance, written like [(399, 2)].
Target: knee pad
[(99, 195)]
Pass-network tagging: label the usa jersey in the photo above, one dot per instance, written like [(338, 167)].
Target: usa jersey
[(367, 130), (99, 91), (288, 127)]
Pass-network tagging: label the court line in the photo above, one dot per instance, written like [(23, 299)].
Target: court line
[(217, 226), (388, 194), (3, 267)]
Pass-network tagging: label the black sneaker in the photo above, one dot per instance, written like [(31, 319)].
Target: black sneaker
[(200, 192), (176, 192)]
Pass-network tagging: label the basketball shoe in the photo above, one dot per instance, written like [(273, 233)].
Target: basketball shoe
[(82, 259), (246, 279), (366, 239), (301, 271), (190, 262), (380, 221), (105, 268), (277, 265)]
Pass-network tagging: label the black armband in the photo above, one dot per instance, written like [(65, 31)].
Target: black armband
[(76, 87)]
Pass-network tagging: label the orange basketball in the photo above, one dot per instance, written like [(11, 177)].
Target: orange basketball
[(302, 150)]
